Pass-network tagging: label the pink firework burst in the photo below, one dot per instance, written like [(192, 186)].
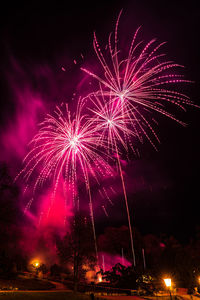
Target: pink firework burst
[(112, 121), (140, 79), (63, 145)]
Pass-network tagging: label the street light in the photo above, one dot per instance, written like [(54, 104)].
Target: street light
[(36, 265), (168, 283)]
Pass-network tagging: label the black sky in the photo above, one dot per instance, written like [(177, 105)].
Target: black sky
[(41, 31)]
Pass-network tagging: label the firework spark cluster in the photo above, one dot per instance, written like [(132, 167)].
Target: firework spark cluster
[(130, 90)]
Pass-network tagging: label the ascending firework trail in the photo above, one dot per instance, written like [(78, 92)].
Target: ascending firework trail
[(112, 122)]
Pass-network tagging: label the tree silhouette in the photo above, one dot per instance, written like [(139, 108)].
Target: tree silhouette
[(9, 222), (77, 247)]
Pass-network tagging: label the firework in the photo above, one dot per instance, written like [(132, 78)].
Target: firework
[(64, 146), (140, 80), (111, 120)]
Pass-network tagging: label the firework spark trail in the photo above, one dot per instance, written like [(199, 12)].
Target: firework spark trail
[(92, 218), (63, 146), (127, 208), (113, 123)]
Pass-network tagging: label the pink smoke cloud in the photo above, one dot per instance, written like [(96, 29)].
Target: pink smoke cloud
[(20, 130)]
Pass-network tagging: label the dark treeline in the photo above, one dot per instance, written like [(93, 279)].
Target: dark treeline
[(157, 256), (11, 258)]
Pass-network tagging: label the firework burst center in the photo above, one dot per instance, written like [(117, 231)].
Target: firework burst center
[(74, 143)]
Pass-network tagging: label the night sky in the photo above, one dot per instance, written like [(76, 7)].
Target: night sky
[(163, 186)]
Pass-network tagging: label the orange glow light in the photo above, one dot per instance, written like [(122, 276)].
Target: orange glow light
[(36, 263), (168, 282)]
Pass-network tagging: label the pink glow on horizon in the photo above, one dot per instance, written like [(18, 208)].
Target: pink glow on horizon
[(51, 219), (107, 261)]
